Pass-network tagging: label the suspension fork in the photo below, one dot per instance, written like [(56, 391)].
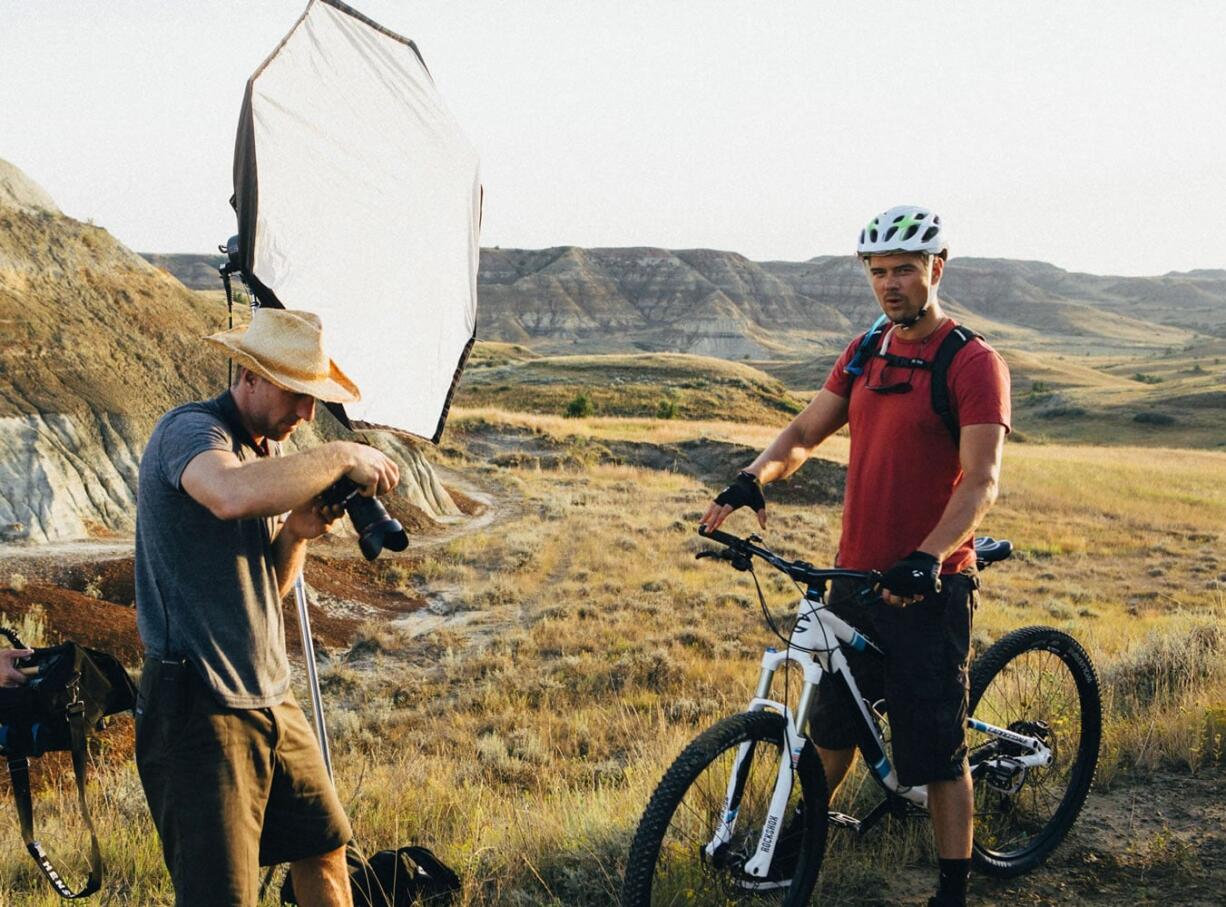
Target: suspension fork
[(744, 761), (795, 742), (740, 771)]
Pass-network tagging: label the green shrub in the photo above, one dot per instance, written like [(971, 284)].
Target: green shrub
[(1146, 379), (1159, 669), (579, 407), (1063, 412), (1154, 419), (667, 409)]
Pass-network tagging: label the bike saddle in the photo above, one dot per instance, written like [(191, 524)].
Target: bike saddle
[(989, 551)]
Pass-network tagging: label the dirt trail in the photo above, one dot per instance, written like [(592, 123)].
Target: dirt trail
[(1155, 841), (16, 556)]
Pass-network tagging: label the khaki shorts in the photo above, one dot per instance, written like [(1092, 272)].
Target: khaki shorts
[(230, 789)]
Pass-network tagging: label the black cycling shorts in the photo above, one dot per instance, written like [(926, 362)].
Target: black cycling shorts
[(924, 679)]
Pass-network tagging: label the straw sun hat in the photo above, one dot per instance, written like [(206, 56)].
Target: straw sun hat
[(287, 348)]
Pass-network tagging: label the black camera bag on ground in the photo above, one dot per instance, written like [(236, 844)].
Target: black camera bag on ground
[(55, 710), (394, 878)]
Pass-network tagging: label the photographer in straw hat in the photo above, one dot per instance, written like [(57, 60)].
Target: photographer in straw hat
[(232, 772)]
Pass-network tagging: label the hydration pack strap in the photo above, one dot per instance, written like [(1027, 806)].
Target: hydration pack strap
[(959, 337), (954, 341), (19, 773), (904, 361), (868, 343)]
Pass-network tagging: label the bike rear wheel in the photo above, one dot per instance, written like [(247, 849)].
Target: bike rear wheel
[(1039, 682), (669, 863)]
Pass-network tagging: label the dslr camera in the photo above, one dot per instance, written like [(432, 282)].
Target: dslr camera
[(375, 526)]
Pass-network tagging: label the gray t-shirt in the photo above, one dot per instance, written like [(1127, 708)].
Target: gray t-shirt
[(206, 589)]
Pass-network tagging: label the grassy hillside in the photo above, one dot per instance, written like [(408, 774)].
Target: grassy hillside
[(90, 325), (508, 377), (1172, 398)]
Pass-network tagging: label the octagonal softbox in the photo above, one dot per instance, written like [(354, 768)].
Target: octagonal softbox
[(359, 199)]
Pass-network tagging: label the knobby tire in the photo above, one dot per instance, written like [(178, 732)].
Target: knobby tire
[(1036, 674), (684, 812)]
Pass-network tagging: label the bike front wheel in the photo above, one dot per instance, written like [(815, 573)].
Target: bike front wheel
[(1039, 682), (690, 849)]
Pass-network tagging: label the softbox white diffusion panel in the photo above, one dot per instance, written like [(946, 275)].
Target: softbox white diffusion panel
[(359, 199)]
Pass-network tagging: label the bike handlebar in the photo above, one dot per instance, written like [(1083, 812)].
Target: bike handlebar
[(800, 571)]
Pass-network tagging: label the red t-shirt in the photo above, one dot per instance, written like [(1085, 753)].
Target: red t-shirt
[(904, 464)]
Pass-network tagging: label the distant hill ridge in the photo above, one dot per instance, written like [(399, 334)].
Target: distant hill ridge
[(708, 302)]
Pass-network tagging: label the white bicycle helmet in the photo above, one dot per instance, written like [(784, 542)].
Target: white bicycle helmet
[(907, 228)]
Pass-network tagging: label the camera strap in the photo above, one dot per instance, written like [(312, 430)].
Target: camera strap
[(227, 411), (19, 774)]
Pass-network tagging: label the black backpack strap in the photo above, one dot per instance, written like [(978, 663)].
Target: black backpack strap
[(956, 339), (19, 772)]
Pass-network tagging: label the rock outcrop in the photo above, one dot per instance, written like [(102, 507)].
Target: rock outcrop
[(20, 193), (96, 345)]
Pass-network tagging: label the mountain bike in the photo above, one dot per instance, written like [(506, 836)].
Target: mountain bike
[(742, 815)]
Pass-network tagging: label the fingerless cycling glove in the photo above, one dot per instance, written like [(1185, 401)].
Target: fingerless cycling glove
[(916, 574), (745, 491)]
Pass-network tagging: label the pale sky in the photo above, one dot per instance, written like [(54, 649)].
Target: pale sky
[(1085, 134)]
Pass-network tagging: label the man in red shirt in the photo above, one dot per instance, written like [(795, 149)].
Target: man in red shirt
[(914, 496)]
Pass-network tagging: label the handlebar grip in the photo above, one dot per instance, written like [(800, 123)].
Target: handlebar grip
[(716, 535)]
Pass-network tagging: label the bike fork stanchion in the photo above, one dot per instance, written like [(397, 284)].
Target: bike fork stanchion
[(308, 653)]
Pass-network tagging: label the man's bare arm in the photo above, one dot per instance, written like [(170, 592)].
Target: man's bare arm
[(979, 450), (306, 522), (824, 415), (233, 490), (288, 556)]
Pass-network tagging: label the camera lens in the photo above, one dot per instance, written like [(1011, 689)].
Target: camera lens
[(376, 528)]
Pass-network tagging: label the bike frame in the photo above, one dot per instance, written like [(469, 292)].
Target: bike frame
[(816, 646)]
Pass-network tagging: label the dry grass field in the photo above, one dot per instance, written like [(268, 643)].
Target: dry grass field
[(570, 647)]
